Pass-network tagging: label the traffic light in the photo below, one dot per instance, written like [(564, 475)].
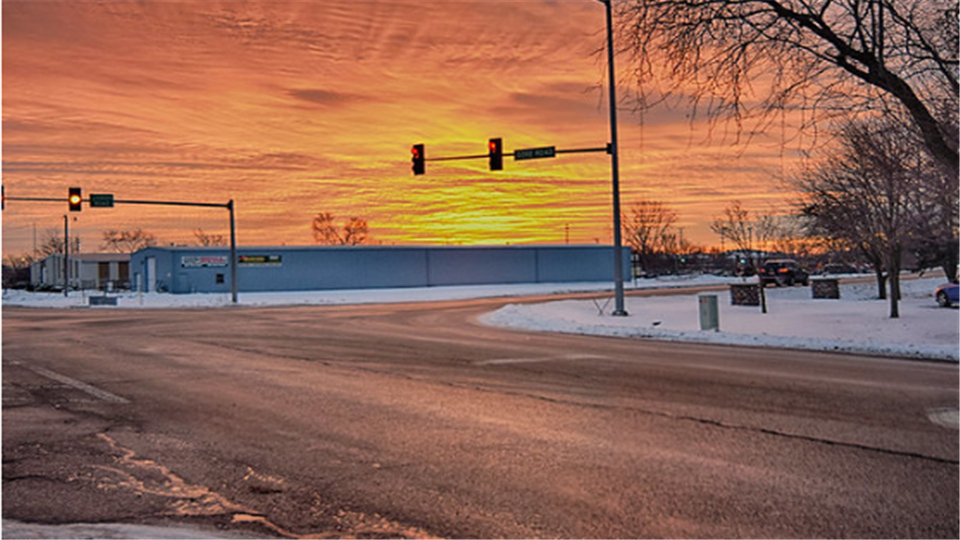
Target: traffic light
[(496, 154), (74, 198), (419, 166)]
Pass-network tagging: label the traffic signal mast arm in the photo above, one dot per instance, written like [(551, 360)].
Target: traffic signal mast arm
[(176, 203), (122, 201), (38, 199), (75, 199), (458, 158), (605, 149)]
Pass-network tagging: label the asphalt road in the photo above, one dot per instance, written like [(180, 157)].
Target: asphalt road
[(414, 420)]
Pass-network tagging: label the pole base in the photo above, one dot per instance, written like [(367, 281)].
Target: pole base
[(620, 313)]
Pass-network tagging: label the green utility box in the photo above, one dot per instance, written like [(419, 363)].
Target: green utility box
[(709, 312)]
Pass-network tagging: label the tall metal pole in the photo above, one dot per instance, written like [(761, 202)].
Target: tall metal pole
[(233, 253), (619, 309), (66, 255)]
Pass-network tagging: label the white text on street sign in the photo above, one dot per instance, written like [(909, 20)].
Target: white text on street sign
[(535, 153)]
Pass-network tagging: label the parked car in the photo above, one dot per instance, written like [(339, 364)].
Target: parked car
[(783, 272), (947, 294)]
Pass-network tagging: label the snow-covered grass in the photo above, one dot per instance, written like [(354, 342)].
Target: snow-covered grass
[(858, 322)]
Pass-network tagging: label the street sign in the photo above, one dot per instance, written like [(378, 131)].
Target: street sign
[(535, 153), (260, 260), (101, 200)]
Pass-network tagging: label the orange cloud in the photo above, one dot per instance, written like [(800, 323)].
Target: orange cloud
[(292, 108)]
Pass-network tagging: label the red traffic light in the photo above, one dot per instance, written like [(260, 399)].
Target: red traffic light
[(74, 199), (418, 159), (496, 154)]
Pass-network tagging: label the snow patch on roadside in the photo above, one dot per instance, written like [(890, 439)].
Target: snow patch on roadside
[(857, 323), (18, 529), (134, 300)]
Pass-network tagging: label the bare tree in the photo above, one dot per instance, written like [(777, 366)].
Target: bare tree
[(735, 58), (204, 239), (127, 241), (936, 237), (866, 195), (745, 232), (52, 243), (789, 237), (354, 230), (648, 230), (324, 230), (734, 226)]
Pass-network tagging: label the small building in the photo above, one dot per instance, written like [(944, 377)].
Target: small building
[(99, 271), (180, 269)]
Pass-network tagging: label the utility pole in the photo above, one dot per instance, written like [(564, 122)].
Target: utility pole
[(619, 309), (233, 253), (66, 255)]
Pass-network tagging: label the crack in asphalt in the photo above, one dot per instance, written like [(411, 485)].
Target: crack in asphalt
[(648, 412), (721, 424)]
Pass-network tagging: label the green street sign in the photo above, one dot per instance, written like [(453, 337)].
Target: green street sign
[(535, 153), (101, 200)]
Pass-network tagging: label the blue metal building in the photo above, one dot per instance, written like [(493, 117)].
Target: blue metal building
[(207, 269)]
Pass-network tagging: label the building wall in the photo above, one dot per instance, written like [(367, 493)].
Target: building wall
[(194, 269), (84, 271), (48, 272)]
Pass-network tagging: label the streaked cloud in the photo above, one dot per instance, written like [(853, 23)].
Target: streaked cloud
[(292, 108)]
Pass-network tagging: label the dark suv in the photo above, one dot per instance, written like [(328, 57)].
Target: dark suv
[(783, 272)]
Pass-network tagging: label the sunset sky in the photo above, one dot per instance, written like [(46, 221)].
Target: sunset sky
[(295, 108)]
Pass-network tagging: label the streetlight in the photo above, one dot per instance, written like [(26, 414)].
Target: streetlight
[(619, 309)]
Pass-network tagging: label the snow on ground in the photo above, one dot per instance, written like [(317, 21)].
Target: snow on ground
[(17, 529), (340, 297), (858, 322)]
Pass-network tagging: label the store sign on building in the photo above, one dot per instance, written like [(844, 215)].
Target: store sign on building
[(260, 260), (203, 261)]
